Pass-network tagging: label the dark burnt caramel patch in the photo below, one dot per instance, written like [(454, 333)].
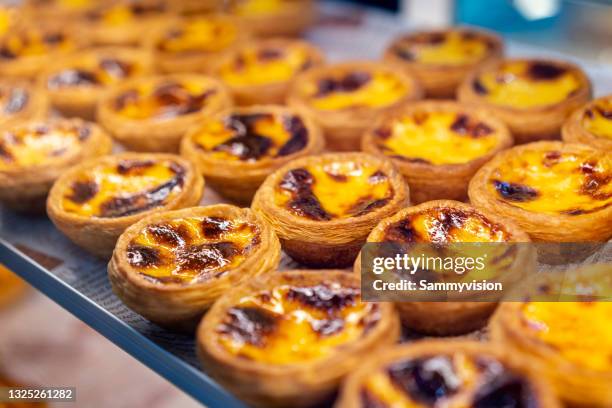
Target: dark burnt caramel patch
[(543, 71), (72, 77), (251, 325), (143, 256), (83, 191), (324, 297), (116, 68), (304, 203), (465, 125), (514, 191), (347, 83)]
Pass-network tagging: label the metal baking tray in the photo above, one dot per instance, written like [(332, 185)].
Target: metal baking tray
[(41, 255)]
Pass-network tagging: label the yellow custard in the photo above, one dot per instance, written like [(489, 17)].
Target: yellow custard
[(94, 70), (258, 7), (597, 119), (11, 286), (527, 84), (126, 188), (203, 34), (8, 18), (554, 182), (578, 331), (334, 190), (437, 138), (258, 65), (191, 250), (451, 48), (295, 324), (40, 144), (355, 89), (28, 43)]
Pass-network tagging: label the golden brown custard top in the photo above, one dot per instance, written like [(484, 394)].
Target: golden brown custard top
[(457, 380), (193, 249), (597, 119), (130, 186), (40, 144), (259, 7), (527, 84), (94, 70), (440, 137), (444, 48), (578, 331), (32, 42), (359, 88), (336, 190), (252, 136), (8, 18), (125, 13), (202, 34), (296, 324), (165, 100), (552, 182), (265, 64), (13, 99)]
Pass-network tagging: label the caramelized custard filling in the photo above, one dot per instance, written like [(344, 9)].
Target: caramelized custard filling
[(597, 120), (354, 89), (192, 250), (296, 324), (578, 331), (13, 99), (554, 183), (252, 136), (126, 188), (527, 84), (335, 190), (203, 34), (98, 71), (259, 7), (163, 101), (444, 48), (41, 144), (29, 43), (454, 381), (436, 138)]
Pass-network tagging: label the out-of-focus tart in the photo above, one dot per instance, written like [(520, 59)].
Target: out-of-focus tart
[(11, 287), (153, 113), (323, 207), (556, 192), (287, 339), (571, 341), (591, 124), (10, 18), (26, 51), (446, 222), (260, 72), (20, 100), (441, 59), (76, 83), (275, 17), (195, 7), (533, 97), (437, 146), (170, 267), (53, 10), (34, 154), (196, 44), (93, 203), (236, 150), (345, 98), (436, 374)]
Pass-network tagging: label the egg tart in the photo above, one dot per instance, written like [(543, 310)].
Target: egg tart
[(345, 98), (26, 51), (196, 44), (437, 145), (94, 202), (287, 339), (153, 113), (571, 341), (12, 287), (275, 17), (170, 267), (76, 83), (20, 100), (323, 207), (441, 59), (237, 149), (591, 124), (446, 222), (533, 97), (10, 17), (194, 7), (556, 192), (260, 72), (34, 154), (450, 374)]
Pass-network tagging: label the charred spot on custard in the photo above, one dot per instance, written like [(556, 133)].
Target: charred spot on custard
[(126, 98), (208, 256), (83, 191), (115, 67), (350, 82), (401, 231), (134, 167), (73, 77), (250, 325), (178, 100), (542, 71), (269, 54), (367, 204), (324, 297), (464, 125), (304, 203), (214, 227), (167, 234), (143, 256), (514, 191)]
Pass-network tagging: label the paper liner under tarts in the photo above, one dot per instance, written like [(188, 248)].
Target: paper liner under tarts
[(98, 235), (350, 395), (344, 128), (574, 132), (443, 181), (452, 318), (26, 189), (180, 306), (295, 385), (536, 123), (326, 244), (238, 180), (154, 135)]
